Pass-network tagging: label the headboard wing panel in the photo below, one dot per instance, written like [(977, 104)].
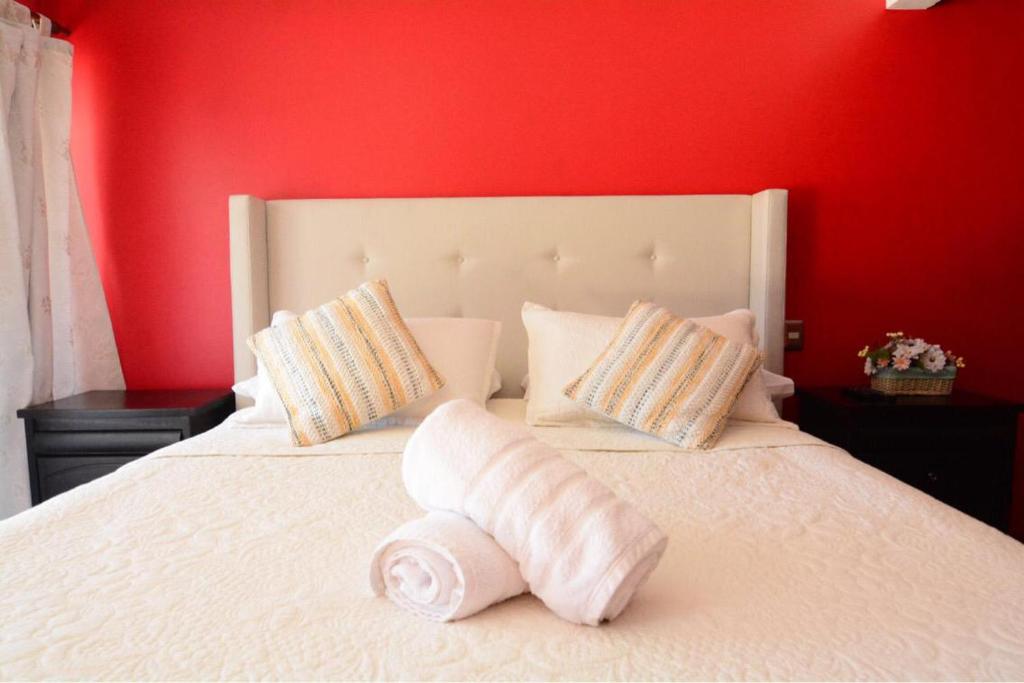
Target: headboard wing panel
[(483, 257)]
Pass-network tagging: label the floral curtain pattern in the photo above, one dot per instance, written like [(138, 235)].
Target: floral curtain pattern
[(55, 332)]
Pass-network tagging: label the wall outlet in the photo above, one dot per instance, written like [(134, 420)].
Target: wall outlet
[(794, 335)]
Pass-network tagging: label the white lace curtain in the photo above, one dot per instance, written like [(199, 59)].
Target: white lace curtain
[(55, 334)]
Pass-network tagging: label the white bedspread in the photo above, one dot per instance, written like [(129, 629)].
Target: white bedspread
[(236, 555)]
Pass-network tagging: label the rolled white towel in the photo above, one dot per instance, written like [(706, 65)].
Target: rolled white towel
[(581, 549), (443, 567)]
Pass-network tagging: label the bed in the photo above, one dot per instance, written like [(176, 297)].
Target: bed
[(237, 555)]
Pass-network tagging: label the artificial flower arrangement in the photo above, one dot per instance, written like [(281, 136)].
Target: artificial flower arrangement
[(910, 365)]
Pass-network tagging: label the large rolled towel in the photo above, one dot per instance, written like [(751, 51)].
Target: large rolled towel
[(443, 567), (581, 549)]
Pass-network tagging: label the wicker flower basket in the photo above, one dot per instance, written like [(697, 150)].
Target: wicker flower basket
[(913, 382)]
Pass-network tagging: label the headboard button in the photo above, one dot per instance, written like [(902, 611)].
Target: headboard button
[(366, 259), (654, 257), (556, 257)]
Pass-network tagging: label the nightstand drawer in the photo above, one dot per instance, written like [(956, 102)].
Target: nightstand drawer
[(59, 474), (928, 438), (85, 443), (963, 480), (933, 473)]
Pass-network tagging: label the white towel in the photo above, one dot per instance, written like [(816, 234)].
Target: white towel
[(582, 550), (443, 567)]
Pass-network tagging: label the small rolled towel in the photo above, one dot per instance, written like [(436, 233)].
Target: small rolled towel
[(581, 549), (443, 567)]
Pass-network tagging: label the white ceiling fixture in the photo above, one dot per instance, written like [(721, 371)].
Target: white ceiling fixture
[(910, 4)]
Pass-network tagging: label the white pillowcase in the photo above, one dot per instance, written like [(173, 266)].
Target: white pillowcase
[(778, 386), (462, 350), (268, 408), (562, 345)]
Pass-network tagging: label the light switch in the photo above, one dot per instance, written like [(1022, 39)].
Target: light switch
[(794, 335)]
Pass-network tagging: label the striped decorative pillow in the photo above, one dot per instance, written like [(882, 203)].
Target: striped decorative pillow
[(344, 364), (667, 376)]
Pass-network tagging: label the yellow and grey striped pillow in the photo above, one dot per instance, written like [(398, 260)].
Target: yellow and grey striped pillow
[(344, 364), (667, 376)]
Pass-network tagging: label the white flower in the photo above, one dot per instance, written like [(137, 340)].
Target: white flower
[(902, 351), (934, 359), (917, 346), (869, 367)]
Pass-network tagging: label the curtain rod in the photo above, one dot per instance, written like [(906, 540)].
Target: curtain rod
[(55, 28)]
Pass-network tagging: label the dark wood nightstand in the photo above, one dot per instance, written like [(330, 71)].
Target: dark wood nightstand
[(957, 448), (82, 437)]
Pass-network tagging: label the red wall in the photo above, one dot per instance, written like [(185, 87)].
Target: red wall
[(899, 134)]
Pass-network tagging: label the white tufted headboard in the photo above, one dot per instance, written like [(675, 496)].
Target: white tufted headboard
[(483, 257)]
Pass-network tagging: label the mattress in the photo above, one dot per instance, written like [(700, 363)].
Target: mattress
[(235, 555)]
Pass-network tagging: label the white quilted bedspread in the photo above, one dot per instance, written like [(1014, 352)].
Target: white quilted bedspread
[(233, 555)]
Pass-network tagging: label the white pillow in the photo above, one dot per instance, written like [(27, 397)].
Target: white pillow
[(462, 350), (778, 386), (268, 408), (562, 345)]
